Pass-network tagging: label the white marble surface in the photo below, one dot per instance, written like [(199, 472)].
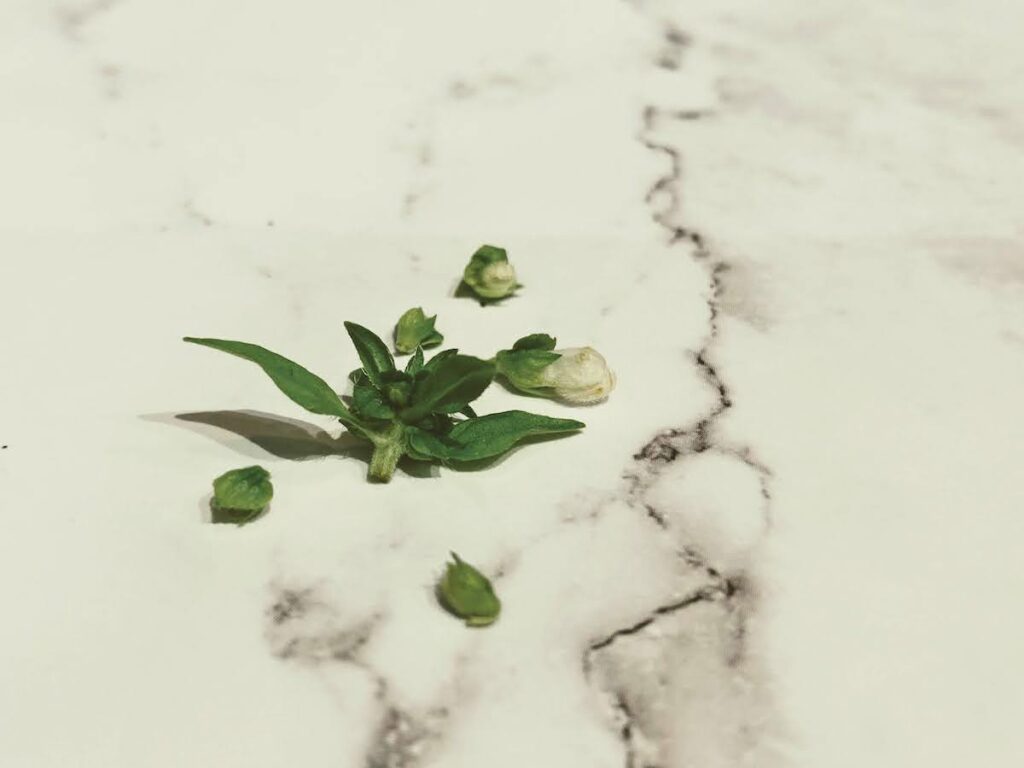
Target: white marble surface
[(789, 539)]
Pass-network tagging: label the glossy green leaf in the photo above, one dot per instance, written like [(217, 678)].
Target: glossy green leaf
[(451, 385), (303, 387), (373, 352), (496, 433)]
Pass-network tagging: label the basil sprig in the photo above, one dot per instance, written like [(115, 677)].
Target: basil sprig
[(410, 412)]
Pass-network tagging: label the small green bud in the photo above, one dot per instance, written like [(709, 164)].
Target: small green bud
[(489, 274), (577, 375), (414, 330), (241, 495), (465, 592)]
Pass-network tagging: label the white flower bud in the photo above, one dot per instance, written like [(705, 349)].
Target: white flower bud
[(580, 375), (489, 274), (498, 279)]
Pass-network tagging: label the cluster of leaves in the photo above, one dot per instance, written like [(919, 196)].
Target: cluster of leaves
[(422, 411)]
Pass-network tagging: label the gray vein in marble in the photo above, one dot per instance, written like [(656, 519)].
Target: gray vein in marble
[(303, 627), (72, 20), (642, 730)]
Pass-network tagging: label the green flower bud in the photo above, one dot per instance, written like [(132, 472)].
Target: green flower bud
[(578, 375), (489, 274), (414, 330), (465, 592), (241, 495)]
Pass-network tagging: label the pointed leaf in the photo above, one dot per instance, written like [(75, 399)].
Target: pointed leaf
[(303, 387), (439, 358), (540, 341), (496, 433), (374, 353), (455, 382), (415, 363)]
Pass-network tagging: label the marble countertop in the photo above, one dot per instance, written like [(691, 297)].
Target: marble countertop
[(789, 538)]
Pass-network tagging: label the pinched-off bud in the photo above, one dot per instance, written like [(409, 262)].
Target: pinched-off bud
[(239, 496), (414, 330), (466, 593), (489, 274), (577, 375), (580, 375)]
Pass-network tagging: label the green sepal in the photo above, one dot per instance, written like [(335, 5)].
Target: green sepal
[(524, 368), (241, 495), (540, 341), (467, 594), (415, 329)]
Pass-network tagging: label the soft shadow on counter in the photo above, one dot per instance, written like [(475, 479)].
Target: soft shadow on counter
[(285, 438)]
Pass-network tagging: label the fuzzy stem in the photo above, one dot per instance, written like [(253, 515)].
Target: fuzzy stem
[(386, 453)]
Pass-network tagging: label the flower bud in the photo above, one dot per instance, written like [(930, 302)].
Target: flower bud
[(241, 495), (489, 274), (466, 593), (577, 375), (414, 330)]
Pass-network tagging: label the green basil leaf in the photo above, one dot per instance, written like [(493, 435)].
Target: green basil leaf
[(427, 446), (452, 384), (239, 496), (415, 329), (468, 412), (540, 341), (439, 358), (373, 353), (303, 387), (495, 433), (415, 362)]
